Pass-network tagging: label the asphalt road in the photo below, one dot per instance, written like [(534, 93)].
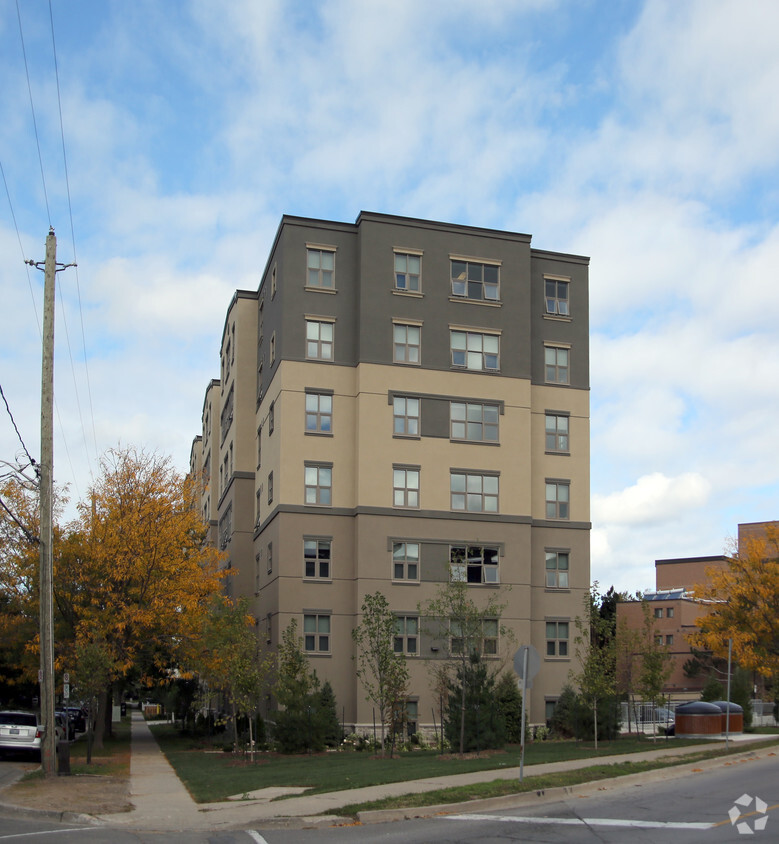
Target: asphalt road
[(679, 811)]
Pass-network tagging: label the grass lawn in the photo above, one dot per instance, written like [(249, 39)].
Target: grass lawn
[(213, 776)]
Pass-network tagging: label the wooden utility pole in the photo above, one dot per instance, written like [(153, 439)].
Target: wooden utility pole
[(49, 743)]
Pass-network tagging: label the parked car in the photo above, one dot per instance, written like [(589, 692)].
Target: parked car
[(66, 724), (663, 715), (78, 717), (20, 731)]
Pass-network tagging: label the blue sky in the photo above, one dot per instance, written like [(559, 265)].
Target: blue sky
[(644, 135)]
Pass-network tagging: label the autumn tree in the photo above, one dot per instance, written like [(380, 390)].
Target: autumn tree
[(380, 668), (656, 661), (226, 655), (742, 602), (466, 628), (94, 669)]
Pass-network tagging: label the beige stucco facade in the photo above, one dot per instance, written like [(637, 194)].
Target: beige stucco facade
[(289, 484)]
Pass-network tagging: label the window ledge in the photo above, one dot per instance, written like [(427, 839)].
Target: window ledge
[(476, 302), (558, 318), (564, 589), (558, 453), (412, 293), (317, 434), (406, 437), (313, 289)]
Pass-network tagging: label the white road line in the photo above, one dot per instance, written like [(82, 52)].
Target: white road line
[(618, 822), (19, 835), (255, 836)]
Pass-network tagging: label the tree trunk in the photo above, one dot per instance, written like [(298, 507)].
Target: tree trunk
[(595, 719), (99, 720), (462, 717)]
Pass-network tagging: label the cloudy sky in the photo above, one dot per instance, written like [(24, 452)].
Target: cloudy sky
[(642, 134)]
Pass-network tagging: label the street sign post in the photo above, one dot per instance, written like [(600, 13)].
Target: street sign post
[(526, 663)]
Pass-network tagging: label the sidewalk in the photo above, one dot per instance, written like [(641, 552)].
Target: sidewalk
[(162, 803)]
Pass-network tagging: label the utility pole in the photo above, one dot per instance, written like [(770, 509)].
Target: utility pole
[(49, 744)]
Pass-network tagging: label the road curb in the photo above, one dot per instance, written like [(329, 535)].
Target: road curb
[(552, 795)]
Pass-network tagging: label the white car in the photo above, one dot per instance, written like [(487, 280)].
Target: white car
[(23, 731)]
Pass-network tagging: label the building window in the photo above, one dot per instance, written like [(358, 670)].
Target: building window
[(273, 348), (473, 564), (316, 633), (405, 486), (406, 635), (476, 351), (556, 296), (407, 271), (319, 413), (405, 561), (473, 492), (273, 282), (557, 569), (658, 612), (669, 613), (556, 365), (319, 339), (319, 484), (669, 640), (487, 644), (406, 340), (270, 487), (270, 558), (321, 268), (316, 558), (556, 436), (405, 413), (473, 280), (271, 418), (557, 638), (257, 570), (412, 716), (557, 499), (269, 628), (474, 422)]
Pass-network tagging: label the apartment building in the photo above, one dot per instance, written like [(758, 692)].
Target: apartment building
[(403, 401)]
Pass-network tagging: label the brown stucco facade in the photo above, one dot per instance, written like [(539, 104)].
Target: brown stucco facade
[(342, 450)]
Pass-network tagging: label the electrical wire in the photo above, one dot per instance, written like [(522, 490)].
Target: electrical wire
[(13, 422), (32, 109), (75, 260)]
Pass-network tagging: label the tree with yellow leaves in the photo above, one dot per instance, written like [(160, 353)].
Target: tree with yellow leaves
[(742, 605)]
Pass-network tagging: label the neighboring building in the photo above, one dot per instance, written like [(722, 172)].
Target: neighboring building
[(401, 398)]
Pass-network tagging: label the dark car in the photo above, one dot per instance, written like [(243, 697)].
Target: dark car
[(78, 718), (65, 720)]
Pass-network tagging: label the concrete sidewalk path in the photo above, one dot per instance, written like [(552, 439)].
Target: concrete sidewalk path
[(162, 803)]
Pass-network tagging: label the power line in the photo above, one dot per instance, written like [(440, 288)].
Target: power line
[(32, 109), (13, 422), (75, 260)]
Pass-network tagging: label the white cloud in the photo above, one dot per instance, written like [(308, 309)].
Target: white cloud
[(653, 499)]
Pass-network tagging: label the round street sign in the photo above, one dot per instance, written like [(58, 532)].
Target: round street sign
[(533, 663)]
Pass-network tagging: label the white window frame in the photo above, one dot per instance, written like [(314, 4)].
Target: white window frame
[(557, 432), (556, 304), (474, 564)]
